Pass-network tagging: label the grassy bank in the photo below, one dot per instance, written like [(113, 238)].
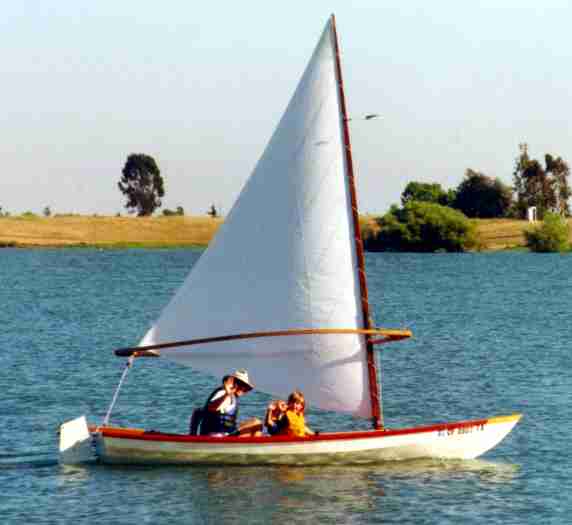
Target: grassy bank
[(501, 234), (494, 234), (107, 231)]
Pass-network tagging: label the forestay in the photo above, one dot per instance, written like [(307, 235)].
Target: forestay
[(284, 259)]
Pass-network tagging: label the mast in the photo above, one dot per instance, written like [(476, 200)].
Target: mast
[(377, 416)]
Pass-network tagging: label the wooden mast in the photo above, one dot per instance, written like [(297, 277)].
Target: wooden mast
[(377, 416)]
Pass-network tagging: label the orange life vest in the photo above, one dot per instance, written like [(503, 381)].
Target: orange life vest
[(296, 424)]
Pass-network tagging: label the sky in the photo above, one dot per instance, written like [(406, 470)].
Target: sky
[(200, 86)]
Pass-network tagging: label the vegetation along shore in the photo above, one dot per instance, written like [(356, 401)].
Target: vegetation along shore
[(185, 231), (480, 214)]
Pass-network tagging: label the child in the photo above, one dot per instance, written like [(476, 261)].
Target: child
[(295, 424), (274, 416)]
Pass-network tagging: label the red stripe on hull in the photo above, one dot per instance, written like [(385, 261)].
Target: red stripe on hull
[(126, 433)]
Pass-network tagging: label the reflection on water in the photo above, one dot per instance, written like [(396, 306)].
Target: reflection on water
[(306, 493), (69, 475), (355, 475), (290, 494)]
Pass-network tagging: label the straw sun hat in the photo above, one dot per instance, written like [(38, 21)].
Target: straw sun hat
[(242, 376)]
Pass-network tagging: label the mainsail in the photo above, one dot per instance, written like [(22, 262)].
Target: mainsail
[(285, 258)]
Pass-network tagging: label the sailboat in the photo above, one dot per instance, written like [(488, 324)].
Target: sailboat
[(281, 291)]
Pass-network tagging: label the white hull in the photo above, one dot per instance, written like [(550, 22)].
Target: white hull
[(462, 440)]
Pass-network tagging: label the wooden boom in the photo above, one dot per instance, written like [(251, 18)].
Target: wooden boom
[(387, 336)]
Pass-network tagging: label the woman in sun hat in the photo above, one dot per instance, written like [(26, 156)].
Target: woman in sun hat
[(221, 409)]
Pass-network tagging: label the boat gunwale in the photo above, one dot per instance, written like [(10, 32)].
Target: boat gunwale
[(151, 435)]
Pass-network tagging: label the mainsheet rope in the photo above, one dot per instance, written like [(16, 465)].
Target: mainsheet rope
[(116, 394)]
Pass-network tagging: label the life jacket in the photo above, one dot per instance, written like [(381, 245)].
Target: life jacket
[(204, 422), (295, 425)]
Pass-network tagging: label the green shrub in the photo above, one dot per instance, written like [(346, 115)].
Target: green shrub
[(170, 213), (423, 227), (550, 236)]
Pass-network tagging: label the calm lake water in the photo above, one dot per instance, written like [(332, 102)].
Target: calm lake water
[(492, 337)]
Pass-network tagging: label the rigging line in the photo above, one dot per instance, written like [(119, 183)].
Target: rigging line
[(116, 394)]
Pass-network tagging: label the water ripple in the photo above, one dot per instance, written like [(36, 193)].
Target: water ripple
[(491, 335)]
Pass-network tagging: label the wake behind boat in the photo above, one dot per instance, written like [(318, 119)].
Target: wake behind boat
[(287, 299)]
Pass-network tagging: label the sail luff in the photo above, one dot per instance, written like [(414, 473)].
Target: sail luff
[(377, 416)]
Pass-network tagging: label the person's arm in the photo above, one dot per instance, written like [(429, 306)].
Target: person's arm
[(268, 418), (269, 421), (229, 388)]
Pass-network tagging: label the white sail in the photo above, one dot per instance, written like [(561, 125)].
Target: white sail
[(284, 259)]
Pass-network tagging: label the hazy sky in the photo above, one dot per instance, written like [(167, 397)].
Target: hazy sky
[(200, 86)]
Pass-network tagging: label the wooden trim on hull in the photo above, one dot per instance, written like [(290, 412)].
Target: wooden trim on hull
[(461, 440)]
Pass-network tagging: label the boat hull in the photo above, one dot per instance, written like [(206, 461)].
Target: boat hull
[(460, 440)]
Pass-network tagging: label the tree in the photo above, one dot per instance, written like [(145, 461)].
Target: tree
[(142, 184), (427, 192), (544, 187), (47, 211), (423, 227), (551, 236), (559, 170), (482, 196)]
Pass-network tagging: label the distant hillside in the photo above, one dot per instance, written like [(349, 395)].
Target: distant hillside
[(495, 234)]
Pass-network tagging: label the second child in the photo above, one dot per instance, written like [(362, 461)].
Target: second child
[(293, 423)]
